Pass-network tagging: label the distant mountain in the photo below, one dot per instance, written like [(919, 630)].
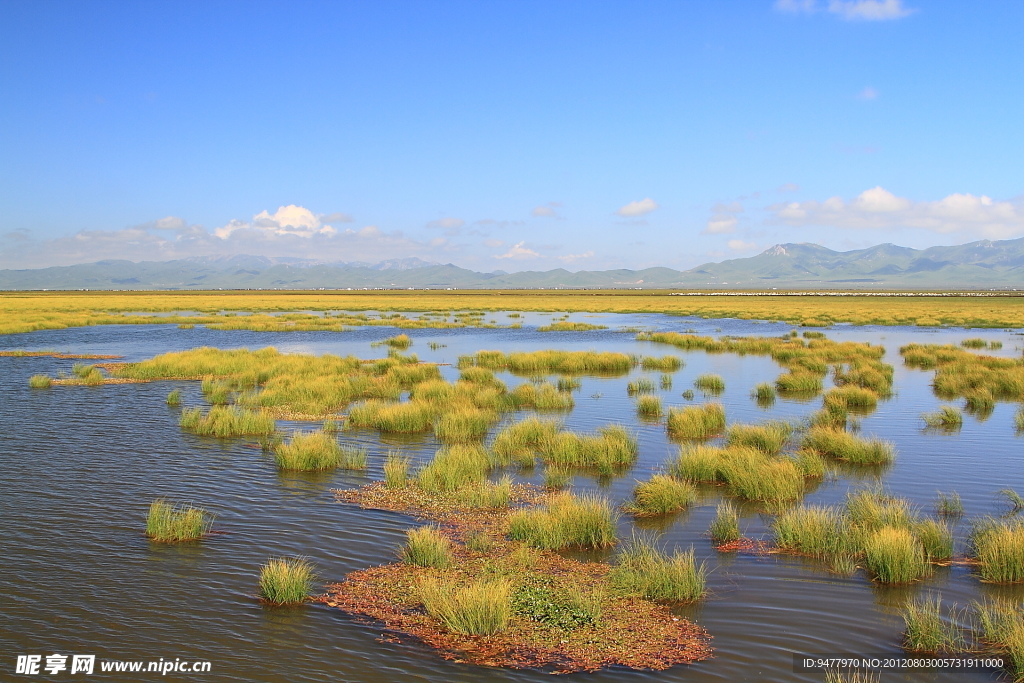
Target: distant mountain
[(983, 264)]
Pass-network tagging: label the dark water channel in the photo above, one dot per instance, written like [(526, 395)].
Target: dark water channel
[(80, 466)]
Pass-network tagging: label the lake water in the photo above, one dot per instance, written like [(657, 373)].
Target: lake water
[(82, 464)]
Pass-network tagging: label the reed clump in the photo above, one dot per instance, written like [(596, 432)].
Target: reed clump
[(520, 441), (480, 608), (174, 398), (310, 451), (401, 341), (40, 382), (813, 530), (949, 504), (946, 417), (725, 527), (852, 397), (169, 523), (769, 438), (286, 580), (453, 467), (566, 521), (642, 385), (763, 393), (227, 421), (402, 418), (396, 470), (545, 396), (660, 495), (998, 547), (463, 425), (696, 422), (894, 555), (645, 570), (551, 362), (925, 629), (426, 546), (648, 406), (611, 449), (842, 445), (712, 385), (662, 364)]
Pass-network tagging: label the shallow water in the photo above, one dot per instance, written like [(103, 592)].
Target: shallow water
[(82, 464)]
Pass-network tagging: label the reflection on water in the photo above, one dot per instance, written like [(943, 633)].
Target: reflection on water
[(81, 465)]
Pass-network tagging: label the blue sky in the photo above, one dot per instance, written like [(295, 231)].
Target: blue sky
[(505, 135)]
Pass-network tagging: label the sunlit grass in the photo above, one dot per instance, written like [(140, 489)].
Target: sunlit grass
[(998, 546), (480, 608), (566, 521), (893, 555), (286, 580), (396, 470), (643, 569), (841, 445), (661, 495), (710, 384), (226, 421), (725, 527), (769, 438), (40, 382), (427, 547), (170, 523), (454, 467), (925, 630), (696, 422)]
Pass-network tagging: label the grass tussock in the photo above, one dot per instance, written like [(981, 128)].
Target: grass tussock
[(949, 504), (612, 449), (712, 385), (401, 341), (227, 421), (998, 547), (40, 382), (648, 406), (453, 467), (481, 608), (894, 555), (396, 470), (852, 398), (520, 441), (315, 451), (545, 396), (841, 445), (925, 630), (174, 398), (661, 364), (1015, 500), (170, 523), (427, 547), (946, 417), (642, 385), (645, 570), (286, 580), (769, 438), (748, 472), (725, 527), (813, 530), (763, 393), (568, 384), (464, 425), (696, 422), (566, 521), (551, 362), (661, 495), (567, 326), (400, 418)]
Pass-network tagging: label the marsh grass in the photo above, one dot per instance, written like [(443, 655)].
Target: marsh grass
[(463, 425), (893, 555), (568, 384), (661, 495), (286, 580), (812, 530), (566, 521), (552, 362), (544, 396), (520, 441), (841, 445), (1000, 627), (486, 494), (799, 383), (936, 539), (453, 467), (662, 364), (688, 395), (949, 504), (998, 546), (557, 477), (852, 397), (711, 385), (427, 547), (768, 438), (725, 527), (643, 569), (400, 418), (925, 630), (946, 417), (666, 382), (396, 470), (480, 608), (696, 422), (1015, 500), (974, 343), (309, 451), (753, 475), (227, 421), (640, 386), (648, 406), (170, 523), (40, 382), (763, 394), (810, 464), (401, 341), (851, 676), (331, 426), (174, 398), (216, 392), (479, 541)]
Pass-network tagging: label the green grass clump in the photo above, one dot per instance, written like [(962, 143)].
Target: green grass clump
[(544, 396), (216, 392), (454, 467), (799, 383), (487, 494), (642, 569), (753, 475), (1015, 500), (174, 523), (688, 394), (661, 495), (924, 628), (998, 546), (566, 521), (479, 542), (480, 608), (557, 477), (936, 539), (949, 504), (710, 384), (226, 421), (330, 426), (568, 384), (520, 441), (567, 609), (696, 422), (666, 382), (852, 397), (463, 425), (401, 341), (763, 393), (662, 364), (810, 464), (894, 555), (309, 451), (427, 547), (725, 527), (174, 398), (640, 386), (648, 406), (975, 343), (946, 417), (608, 451), (551, 361), (286, 580), (40, 382), (841, 445), (768, 438), (852, 676), (1000, 625), (396, 470), (812, 530), (871, 509), (401, 418)]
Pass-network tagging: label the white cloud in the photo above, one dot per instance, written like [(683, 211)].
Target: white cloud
[(740, 245), (721, 224), (570, 258), (287, 220), (640, 208), (788, 187), (851, 10), (869, 10), (549, 210), (868, 93), (451, 226), (879, 209), (518, 251)]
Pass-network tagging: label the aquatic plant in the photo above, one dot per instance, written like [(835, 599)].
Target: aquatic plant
[(763, 393), (396, 470), (643, 569), (566, 326), (40, 382), (226, 421), (949, 504), (310, 451), (401, 341), (710, 384), (936, 539), (551, 361), (545, 396), (453, 467), (427, 547), (688, 394), (812, 530), (998, 547), (174, 398), (666, 382), (893, 555), (286, 580), (753, 475), (640, 386), (725, 527), (842, 445), (769, 437), (696, 422), (568, 384), (661, 495), (1015, 500), (463, 425), (519, 441), (663, 364), (408, 417), (946, 417), (648, 406), (975, 343), (486, 494), (170, 523), (566, 521), (480, 608), (851, 396), (924, 628), (556, 477)]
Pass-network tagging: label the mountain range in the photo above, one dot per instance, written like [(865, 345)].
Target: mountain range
[(976, 265)]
